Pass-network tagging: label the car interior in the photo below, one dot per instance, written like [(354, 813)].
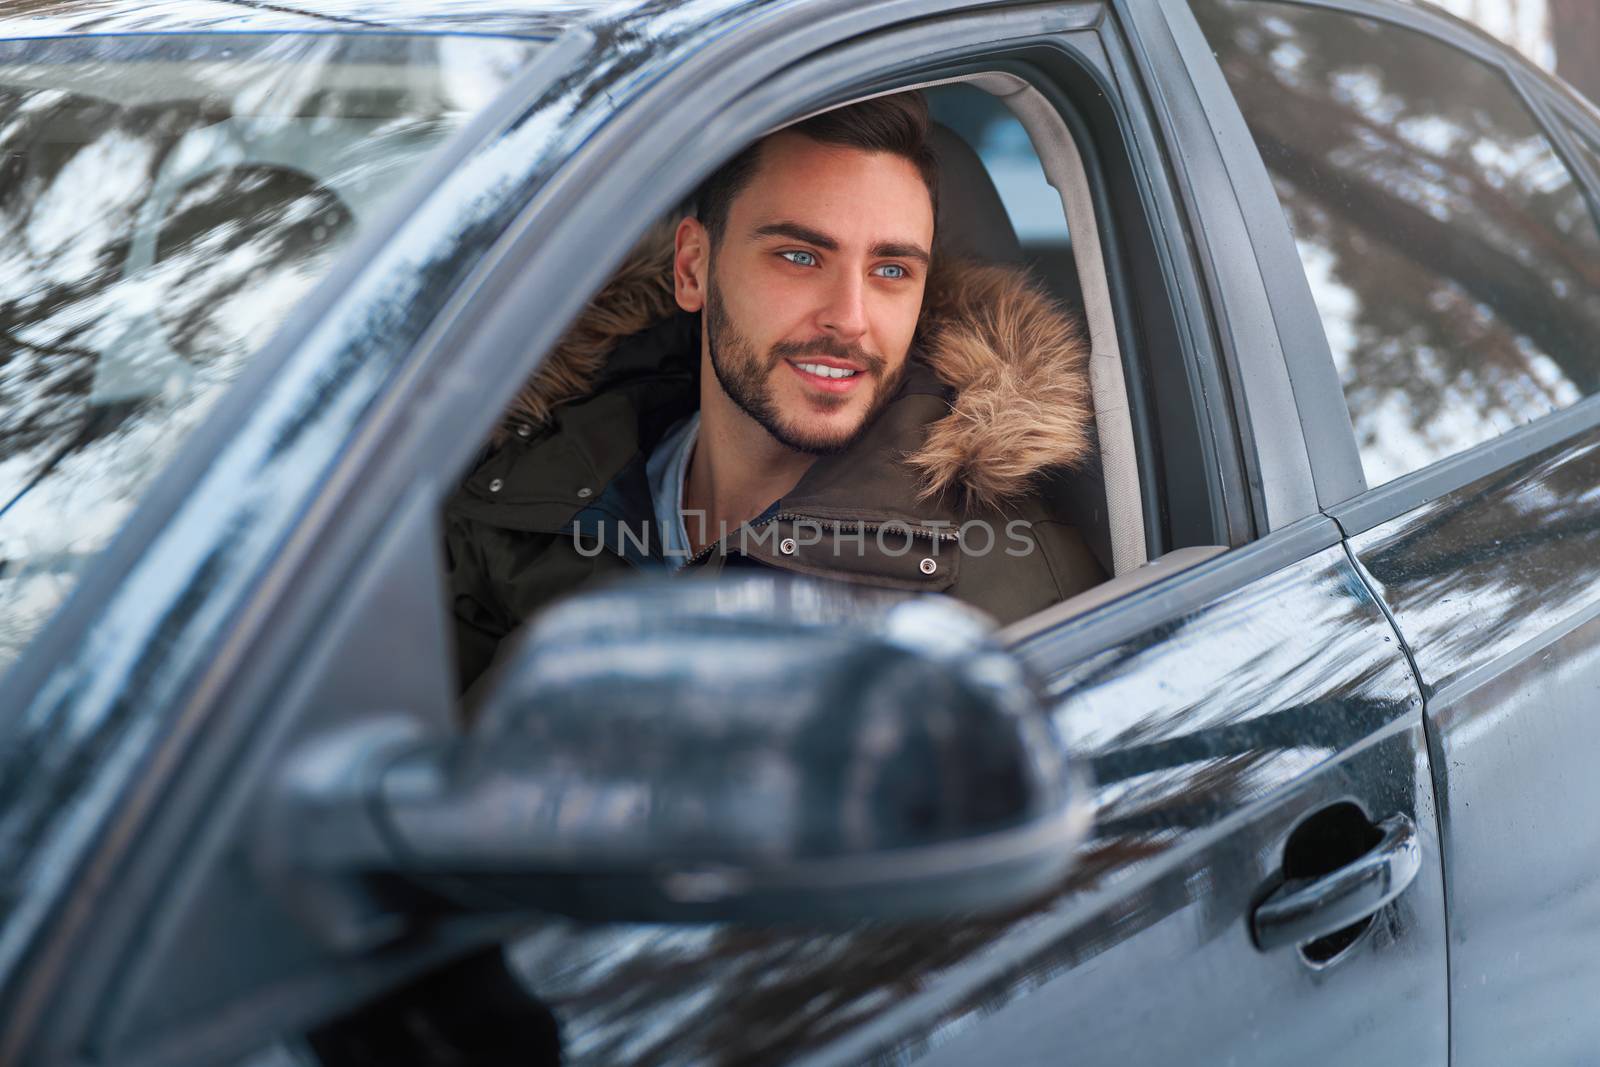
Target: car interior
[(975, 221), (1014, 189)]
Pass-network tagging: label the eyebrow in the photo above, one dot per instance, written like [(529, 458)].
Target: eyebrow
[(899, 250), (881, 250)]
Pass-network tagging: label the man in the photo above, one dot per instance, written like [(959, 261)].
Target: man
[(795, 382)]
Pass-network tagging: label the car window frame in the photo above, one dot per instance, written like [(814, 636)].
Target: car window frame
[(1565, 116), (1544, 98), (1005, 56), (971, 43), (1100, 60), (1206, 407)]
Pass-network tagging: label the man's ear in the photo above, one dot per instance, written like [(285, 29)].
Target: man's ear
[(691, 264)]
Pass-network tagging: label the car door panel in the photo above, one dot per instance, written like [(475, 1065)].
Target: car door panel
[(1229, 706), (1493, 586), (1167, 974)]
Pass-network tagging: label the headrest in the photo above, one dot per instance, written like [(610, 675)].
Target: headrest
[(972, 221)]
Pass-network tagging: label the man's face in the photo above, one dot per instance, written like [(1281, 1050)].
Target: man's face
[(813, 294)]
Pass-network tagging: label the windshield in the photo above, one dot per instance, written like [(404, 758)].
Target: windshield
[(165, 201)]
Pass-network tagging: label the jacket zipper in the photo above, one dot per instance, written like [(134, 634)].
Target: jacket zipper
[(836, 525)]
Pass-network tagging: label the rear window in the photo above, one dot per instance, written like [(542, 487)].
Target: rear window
[(1452, 251), (165, 202)]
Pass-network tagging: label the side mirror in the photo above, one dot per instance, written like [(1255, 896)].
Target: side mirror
[(754, 748)]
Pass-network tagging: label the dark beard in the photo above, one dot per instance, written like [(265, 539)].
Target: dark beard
[(744, 375)]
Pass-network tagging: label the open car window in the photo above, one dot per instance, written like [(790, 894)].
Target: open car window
[(165, 201), (574, 486)]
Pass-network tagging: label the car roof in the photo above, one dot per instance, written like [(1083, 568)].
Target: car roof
[(527, 18)]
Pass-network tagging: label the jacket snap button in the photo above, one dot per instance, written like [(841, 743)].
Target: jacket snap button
[(928, 566), (585, 493), (496, 485), (788, 547)]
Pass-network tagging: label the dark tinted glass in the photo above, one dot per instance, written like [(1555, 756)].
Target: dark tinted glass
[(1451, 251)]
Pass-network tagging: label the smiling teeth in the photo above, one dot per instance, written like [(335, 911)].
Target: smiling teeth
[(826, 372)]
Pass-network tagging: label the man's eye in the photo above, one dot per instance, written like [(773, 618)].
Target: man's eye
[(804, 259), (892, 270)]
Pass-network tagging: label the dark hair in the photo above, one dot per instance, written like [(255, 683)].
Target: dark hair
[(896, 124)]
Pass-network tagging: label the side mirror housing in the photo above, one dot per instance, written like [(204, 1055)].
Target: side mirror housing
[(757, 748)]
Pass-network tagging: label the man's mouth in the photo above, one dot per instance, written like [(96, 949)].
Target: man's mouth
[(828, 375), (822, 370)]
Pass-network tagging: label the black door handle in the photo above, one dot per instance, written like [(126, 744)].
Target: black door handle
[(1305, 909)]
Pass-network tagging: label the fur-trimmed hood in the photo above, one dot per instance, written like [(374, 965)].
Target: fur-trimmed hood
[(1016, 361)]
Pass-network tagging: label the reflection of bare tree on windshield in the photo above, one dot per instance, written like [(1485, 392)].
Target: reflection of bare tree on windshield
[(73, 171), (1453, 257), (164, 203), (227, 239), (107, 349)]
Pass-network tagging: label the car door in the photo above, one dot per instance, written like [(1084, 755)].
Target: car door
[(1454, 250), (1247, 723), (1249, 719), (1266, 848)]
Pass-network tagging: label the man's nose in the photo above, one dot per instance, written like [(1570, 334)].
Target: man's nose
[(845, 314)]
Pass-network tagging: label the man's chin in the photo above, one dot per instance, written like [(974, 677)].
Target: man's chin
[(816, 440)]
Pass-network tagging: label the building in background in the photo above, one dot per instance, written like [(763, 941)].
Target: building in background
[(1559, 35)]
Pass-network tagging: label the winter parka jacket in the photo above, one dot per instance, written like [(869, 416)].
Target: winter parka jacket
[(941, 494)]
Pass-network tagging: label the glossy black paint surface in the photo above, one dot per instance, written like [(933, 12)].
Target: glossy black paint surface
[(1504, 561), (1210, 735), (1496, 589)]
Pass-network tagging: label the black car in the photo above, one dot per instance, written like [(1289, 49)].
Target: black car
[(1309, 779)]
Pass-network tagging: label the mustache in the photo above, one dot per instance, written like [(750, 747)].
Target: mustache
[(829, 346)]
